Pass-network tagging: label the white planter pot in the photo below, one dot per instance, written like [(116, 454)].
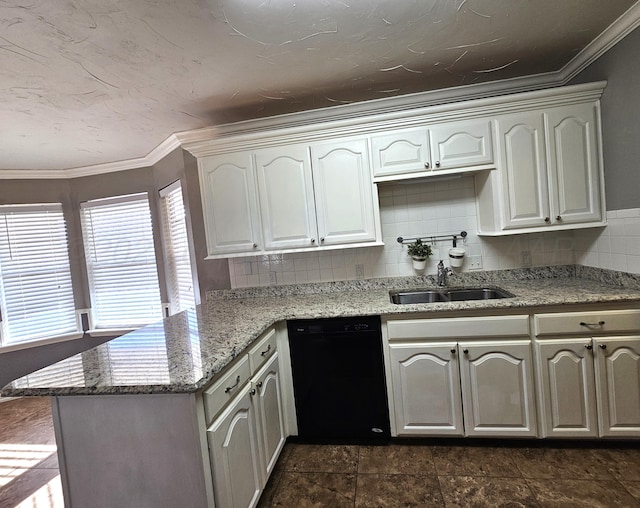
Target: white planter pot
[(419, 263)]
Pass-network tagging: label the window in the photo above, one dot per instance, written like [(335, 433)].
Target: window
[(121, 261), (36, 295), (179, 276)]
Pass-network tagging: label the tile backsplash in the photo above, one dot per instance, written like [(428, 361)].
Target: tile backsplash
[(414, 209), (616, 247)]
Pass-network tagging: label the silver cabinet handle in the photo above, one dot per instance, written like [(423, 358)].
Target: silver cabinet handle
[(229, 388), (547, 220), (255, 245), (453, 351), (599, 323), (266, 351), (588, 346), (313, 240), (558, 217), (437, 164), (259, 384), (252, 392), (602, 346), (426, 165), (465, 351), (322, 239)]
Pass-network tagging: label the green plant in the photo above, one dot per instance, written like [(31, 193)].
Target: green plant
[(419, 250)]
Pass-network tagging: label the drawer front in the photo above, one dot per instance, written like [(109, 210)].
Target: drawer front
[(587, 323), (261, 352), (223, 391), (455, 328)]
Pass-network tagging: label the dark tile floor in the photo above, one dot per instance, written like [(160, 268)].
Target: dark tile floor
[(469, 473), (472, 475)]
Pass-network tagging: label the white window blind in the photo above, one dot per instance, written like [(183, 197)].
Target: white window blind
[(36, 295), (121, 261), (179, 276)]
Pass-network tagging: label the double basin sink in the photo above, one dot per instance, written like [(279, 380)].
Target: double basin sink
[(447, 295)]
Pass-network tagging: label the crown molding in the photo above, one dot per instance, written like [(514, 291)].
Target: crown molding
[(614, 33), (349, 113), (156, 155)]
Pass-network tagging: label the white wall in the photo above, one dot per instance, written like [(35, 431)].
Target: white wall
[(413, 209)]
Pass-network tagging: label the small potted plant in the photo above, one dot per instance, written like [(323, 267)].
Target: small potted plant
[(419, 252)]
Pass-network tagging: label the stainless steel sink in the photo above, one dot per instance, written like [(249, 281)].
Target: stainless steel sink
[(447, 295)]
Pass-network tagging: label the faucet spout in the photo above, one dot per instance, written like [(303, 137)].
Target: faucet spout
[(442, 274)]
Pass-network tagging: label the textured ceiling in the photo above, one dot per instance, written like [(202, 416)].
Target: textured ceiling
[(96, 81)]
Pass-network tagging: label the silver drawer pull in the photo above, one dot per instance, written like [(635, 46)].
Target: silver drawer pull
[(229, 388), (265, 352), (599, 323)]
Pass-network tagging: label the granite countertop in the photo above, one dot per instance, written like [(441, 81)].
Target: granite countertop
[(183, 353)]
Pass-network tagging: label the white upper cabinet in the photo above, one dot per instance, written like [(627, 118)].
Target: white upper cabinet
[(405, 151), (548, 175), (432, 149), (524, 170), (230, 203), (286, 197), (573, 164), (344, 197), (548, 172), (461, 144)]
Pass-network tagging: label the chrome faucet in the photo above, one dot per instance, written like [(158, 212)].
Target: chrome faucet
[(442, 273)]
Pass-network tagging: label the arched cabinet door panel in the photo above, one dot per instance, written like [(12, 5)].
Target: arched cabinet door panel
[(567, 388), (618, 385), (426, 389), (286, 197), (230, 203), (235, 455), (497, 388), (343, 191)]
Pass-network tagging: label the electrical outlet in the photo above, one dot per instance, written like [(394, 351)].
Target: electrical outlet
[(273, 278), (359, 271), (475, 262), (526, 258)]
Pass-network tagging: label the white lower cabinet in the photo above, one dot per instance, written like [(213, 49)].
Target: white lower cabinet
[(474, 387), (247, 437), (498, 394), (589, 383), (235, 454), (426, 389)]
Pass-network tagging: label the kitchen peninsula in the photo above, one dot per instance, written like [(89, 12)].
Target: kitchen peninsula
[(132, 429)]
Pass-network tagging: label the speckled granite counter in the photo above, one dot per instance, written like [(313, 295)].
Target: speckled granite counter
[(186, 351)]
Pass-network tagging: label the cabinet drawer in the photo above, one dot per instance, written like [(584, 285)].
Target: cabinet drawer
[(504, 326), (587, 323), (259, 353), (224, 390)]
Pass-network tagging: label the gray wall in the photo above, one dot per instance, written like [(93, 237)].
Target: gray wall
[(620, 66), (212, 273)]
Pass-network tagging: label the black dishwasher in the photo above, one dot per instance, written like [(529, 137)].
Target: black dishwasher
[(338, 379)]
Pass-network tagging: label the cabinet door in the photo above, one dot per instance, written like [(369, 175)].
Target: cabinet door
[(523, 170), (574, 164), (567, 388), (235, 456), (461, 144), (618, 385), (426, 389), (343, 191), (286, 197), (497, 389), (405, 151), (230, 204), (268, 399)]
